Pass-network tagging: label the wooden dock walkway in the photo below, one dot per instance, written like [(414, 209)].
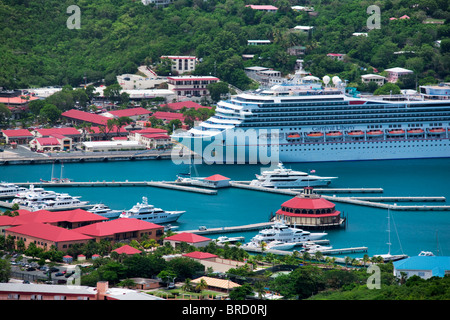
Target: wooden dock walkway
[(394, 206), (243, 228), (156, 184)]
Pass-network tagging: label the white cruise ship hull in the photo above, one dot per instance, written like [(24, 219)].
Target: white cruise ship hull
[(217, 153)]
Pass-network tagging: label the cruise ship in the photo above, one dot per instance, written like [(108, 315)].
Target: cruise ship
[(306, 119)]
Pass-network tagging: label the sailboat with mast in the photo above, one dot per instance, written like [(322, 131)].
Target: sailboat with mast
[(388, 256), (57, 180)]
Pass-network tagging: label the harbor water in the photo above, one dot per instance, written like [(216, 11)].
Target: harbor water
[(410, 231)]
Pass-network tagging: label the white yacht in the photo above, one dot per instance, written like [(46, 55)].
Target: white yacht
[(34, 194), (312, 247), (275, 244), (282, 177), (61, 202), (147, 212), (10, 190), (225, 239), (281, 232), (105, 211)]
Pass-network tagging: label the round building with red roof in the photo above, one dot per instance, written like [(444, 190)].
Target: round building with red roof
[(309, 209)]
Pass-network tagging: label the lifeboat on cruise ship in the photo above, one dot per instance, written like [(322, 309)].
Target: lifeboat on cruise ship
[(397, 132), (334, 134), (375, 133), (437, 130), (356, 134), (415, 131), (293, 136), (315, 135)]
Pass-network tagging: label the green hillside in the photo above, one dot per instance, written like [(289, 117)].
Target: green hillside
[(116, 36)]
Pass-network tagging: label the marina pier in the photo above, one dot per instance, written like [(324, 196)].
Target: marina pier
[(375, 202)]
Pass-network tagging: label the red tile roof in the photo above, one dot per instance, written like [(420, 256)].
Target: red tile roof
[(120, 225), (130, 112), (150, 130), (216, 177), (44, 216), (187, 237), (85, 116), (59, 131), (308, 203), (200, 255), (47, 232), (48, 141), (179, 105), (156, 136), (16, 100), (168, 115), (127, 250), (17, 133), (6, 221)]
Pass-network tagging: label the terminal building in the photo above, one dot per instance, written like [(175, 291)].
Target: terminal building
[(309, 210)]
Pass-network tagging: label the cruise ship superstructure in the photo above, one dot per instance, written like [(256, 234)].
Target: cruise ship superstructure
[(303, 120)]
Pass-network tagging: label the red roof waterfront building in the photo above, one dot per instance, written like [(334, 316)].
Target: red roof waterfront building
[(122, 229), (189, 238), (309, 210), (45, 236)]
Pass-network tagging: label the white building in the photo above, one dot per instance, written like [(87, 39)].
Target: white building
[(258, 42), (396, 73), (368, 78), (134, 81), (188, 86), (182, 64), (118, 145)]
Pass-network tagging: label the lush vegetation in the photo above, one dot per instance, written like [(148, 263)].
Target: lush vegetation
[(37, 48), (294, 277)]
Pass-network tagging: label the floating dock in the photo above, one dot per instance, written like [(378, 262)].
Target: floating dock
[(248, 227), (357, 201), (156, 184)]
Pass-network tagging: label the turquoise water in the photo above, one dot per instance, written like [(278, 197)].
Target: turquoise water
[(411, 231)]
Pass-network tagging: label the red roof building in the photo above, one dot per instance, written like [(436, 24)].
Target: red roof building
[(309, 210), (167, 116), (200, 255), (19, 136), (189, 238), (78, 117), (133, 113), (217, 181), (129, 250), (177, 106), (122, 229), (46, 235)]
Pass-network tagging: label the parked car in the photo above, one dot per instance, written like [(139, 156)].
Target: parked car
[(59, 274), (31, 269)]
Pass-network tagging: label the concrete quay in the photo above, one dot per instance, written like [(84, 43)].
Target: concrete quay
[(248, 227), (156, 184)]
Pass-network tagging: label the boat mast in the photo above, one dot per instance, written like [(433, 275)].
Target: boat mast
[(389, 233)]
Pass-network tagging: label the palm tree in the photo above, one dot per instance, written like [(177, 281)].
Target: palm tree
[(365, 259), (306, 256), (187, 286), (202, 285), (260, 289), (318, 255)]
